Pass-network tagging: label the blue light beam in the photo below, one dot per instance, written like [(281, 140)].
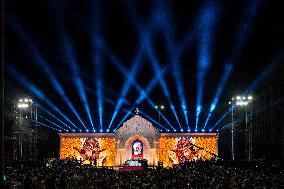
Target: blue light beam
[(128, 81), (242, 34), (47, 120), (207, 19), (37, 92), (41, 63), (52, 115), (97, 62), (156, 66), (125, 73), (71, 61), (265, 73), (42, 124)]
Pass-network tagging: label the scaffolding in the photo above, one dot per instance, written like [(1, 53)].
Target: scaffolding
[(25, 131)]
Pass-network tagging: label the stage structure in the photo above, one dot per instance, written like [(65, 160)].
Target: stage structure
[(138, 139)]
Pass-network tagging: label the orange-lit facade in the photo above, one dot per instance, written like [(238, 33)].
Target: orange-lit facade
[(113, 149)]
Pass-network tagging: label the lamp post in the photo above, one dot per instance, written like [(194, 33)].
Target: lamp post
[(232, 129), (242, 101), (159, 109)]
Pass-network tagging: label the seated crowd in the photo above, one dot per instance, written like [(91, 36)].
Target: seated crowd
[(202, 174)]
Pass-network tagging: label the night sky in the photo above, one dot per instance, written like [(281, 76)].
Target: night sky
[(247, 34)]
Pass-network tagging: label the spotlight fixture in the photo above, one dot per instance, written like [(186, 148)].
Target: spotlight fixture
[(23, 105), (80, 130), (188, 130), (87, 130), (101, 130), (94, 130), (73, 130), (242, 100), (203, 130), (181, 130), (195, 130), (175, 130), (162, 107), (156, 107)]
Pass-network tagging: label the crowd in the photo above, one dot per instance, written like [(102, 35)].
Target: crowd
[(204, 174)]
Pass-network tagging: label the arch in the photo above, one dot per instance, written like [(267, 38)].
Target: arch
[(146, 147), (126, 153)]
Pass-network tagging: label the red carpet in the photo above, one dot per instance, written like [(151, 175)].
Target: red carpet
[(131, 168)]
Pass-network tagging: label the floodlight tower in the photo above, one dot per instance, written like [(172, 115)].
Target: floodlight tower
[(25, 130), (242, 101)]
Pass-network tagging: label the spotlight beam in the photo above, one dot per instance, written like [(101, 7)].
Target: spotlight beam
[(151, 85), (40, 62), (222, 118), (124, 72), (150, 118), (139, 25), (129, 112), (221, 87), (175, 52), (114, 60), (97, 62), (47, 120), (140, 89), (71, 61), (278, 60), (37, 92), (125, 101), (156, 66), (207, 20), (128, 81), (242, 34), (160, 18), (42, 124), (264, 74), (96, 8), (52, 115)]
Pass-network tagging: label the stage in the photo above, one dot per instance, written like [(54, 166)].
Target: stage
[(138, 139)]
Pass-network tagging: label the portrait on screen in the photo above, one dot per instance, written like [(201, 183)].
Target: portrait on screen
[(137, 149)]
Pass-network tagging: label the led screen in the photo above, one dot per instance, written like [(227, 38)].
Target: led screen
[(177, 150), (99, 150)]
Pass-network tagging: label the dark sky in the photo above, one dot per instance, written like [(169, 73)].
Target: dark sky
[(43, 24)]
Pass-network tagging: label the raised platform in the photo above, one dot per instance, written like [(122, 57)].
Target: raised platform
[(138, 137)]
